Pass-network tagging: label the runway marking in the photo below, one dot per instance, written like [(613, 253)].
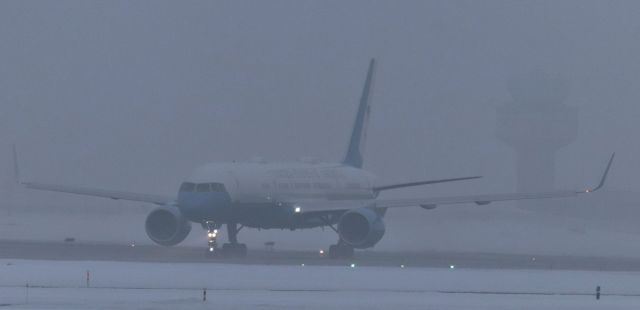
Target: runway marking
[(198, 289), (32, 250)]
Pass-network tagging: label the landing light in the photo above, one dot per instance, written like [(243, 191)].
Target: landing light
[(297, 210), (401, 266), (352, 265), (452, 267), (211, 249), (321, 252)]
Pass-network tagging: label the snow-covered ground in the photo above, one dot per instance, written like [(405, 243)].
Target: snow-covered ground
[(62, 285)]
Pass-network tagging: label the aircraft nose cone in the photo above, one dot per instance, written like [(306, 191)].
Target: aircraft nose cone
[(203, 206)]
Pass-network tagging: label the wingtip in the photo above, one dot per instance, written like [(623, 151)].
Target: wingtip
[(603, 179)]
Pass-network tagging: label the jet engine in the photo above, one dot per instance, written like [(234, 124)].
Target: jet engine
[(361, 228), (166, 226)]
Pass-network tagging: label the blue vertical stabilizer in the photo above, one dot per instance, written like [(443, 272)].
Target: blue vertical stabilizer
[(355, 150)]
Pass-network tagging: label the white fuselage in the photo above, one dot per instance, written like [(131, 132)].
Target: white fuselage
[(260, 183), (262, 195)]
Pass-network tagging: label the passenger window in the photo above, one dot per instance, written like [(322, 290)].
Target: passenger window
[(204, 187), (187, 187)]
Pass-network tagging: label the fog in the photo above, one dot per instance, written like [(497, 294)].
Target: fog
[(135, 95)]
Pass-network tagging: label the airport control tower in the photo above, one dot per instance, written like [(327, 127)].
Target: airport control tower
[(536, 123)]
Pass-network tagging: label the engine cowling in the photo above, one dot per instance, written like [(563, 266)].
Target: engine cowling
[(361, 228), (166, 226)]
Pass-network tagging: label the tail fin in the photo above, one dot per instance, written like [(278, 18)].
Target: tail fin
[(358, 135)]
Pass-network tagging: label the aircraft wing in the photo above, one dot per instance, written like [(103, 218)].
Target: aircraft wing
[(95, 192), (87, 191), (418, 183), (433, 202), (426, 203)]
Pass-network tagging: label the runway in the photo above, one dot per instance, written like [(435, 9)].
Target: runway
[(45, 284), (71, 251)]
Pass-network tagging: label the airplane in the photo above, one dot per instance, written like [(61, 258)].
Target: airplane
[(290, 195)]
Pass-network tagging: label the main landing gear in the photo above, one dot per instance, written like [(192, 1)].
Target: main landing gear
[(341, 251), (231, 249)]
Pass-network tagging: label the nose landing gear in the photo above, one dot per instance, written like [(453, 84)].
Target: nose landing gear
[(212, 236), (231, 249)]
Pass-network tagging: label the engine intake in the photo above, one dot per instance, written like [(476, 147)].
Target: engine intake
[(361, 228), (166, 226)]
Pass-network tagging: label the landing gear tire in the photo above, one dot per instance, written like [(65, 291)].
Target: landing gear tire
[(340, 251), (234, 250)]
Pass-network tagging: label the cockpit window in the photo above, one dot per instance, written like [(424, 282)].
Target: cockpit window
[(187, 187), (217, 187), (203, 187)]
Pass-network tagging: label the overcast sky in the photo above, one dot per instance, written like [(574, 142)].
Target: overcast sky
[(134, 95)]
